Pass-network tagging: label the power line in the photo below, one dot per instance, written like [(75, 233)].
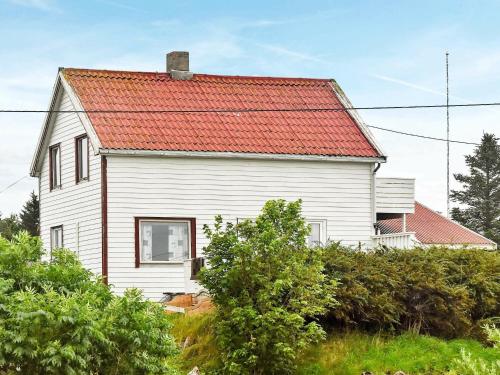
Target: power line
[(243, 110), (422, 136), (12, 184), (370, 126)]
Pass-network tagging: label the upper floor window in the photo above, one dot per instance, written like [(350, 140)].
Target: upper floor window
[(82, 158), (55, 166), (56, 237)]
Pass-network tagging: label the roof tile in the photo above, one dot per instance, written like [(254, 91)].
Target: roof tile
[(433, 228), (330, 133)]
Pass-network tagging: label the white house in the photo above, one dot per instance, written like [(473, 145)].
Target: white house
[(131, 165)]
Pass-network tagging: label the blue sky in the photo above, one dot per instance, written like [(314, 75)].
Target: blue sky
[(380, 52)]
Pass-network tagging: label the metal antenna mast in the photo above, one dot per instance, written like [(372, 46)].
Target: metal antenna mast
[(447, 140)]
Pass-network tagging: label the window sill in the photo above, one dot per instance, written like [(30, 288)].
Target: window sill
[(82, 181), (56, 188), (163, 262)]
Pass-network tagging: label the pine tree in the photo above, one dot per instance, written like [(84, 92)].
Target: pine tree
[(30, 215), (480, 196)]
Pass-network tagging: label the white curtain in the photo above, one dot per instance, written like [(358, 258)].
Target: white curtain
[(147, 242)]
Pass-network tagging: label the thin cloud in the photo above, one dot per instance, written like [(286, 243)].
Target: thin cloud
[(45, 5), (290, 53), (419, 87)]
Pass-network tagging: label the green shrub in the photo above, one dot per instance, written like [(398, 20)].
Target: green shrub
[(446, 292), (266, 283), (55, 318), (470, 364)]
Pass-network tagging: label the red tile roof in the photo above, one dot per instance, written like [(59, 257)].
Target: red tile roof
[(433, 228), (330, 133)]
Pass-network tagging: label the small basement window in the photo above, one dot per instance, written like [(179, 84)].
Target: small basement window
[(317, 237), (165, 240), (82, 158), (56, 237), (55, 166)]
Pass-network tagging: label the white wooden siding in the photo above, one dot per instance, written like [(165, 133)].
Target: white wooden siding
[(74, 206), (339, 193), (395, 195)]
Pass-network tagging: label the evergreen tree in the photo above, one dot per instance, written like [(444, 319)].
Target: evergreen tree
[(480, 196), (30, 215)]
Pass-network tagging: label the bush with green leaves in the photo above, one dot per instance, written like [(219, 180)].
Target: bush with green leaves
[(445, 292), (268, 286), (469, 365), (56, 318)]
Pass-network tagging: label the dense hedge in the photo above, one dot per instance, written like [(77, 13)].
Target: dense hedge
[(445, 292), (56, 318)]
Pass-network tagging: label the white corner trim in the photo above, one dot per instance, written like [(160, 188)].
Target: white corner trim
[(82, 115), (238, 155), (356, 117)]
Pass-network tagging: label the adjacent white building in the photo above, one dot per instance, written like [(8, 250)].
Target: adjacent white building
[(132, 165)]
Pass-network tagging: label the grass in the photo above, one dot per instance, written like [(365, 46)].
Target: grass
[(342, 353), (200, 348), (355, 352)]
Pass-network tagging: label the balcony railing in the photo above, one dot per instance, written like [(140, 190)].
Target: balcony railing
[(405, 240)]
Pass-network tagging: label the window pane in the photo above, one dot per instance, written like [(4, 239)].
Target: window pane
[(83, 159), (164, 241), (55, 167), (315, 235), (56, 237), (58, 166)]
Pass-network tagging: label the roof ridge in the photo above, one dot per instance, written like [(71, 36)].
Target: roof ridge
[(198, 75)]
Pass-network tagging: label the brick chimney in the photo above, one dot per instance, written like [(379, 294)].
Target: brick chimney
[(178, 65)]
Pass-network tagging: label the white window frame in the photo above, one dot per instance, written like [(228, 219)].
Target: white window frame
[(55, 167), (188, 222), (53, 230), (82, 159), (322, 230)]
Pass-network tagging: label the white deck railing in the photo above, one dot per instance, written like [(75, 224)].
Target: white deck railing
[(406, 240)]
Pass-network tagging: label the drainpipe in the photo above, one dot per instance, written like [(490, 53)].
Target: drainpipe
[(374, 204)]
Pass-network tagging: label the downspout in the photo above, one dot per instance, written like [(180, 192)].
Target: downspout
[(374, 197)]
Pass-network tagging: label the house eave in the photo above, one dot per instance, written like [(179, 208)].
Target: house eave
[(238, 155), (61, 83)]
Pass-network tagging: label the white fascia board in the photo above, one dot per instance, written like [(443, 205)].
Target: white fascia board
[(82, 115), (45, 128), (61, 83), (357, 118), (238, 155)]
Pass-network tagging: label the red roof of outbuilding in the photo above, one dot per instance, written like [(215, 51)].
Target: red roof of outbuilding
[(329, 133), (433, 228)]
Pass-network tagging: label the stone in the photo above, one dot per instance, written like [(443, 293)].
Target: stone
[(399, 373), (186, 343), (195, 371)]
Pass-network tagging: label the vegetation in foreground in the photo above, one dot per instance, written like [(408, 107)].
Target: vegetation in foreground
[(347, 353), (268, 286), (443, 292), (274, 298), (56, 318)]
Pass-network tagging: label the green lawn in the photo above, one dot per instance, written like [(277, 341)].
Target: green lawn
[(342, 353), (355, 352)]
